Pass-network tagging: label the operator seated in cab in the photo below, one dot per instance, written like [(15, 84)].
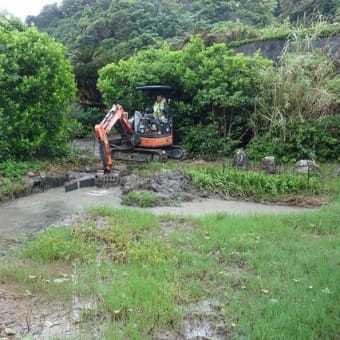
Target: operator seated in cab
[(160, 112)]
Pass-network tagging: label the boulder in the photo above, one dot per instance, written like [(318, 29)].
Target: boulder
[(336, 172), (268, 164), (241, 159), (304, 166)]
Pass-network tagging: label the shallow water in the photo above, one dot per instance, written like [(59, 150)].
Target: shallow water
[(27, 215)]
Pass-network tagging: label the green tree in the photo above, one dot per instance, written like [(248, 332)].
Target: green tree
[(117, 81), (36, 86), (306, 10), (10, 23), (213, 88), (222, 87)]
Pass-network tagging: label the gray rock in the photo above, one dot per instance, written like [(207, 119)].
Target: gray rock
[(268, 164), (10, 331), (304, 166), (336, 172), (241, 159)]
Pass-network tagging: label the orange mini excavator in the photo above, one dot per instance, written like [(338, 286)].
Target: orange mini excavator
[(141, 138)]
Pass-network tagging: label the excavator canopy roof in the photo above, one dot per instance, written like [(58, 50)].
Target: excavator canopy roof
[(154, 89)]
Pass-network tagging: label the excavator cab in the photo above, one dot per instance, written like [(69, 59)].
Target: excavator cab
[(146, 123), (141, 138)]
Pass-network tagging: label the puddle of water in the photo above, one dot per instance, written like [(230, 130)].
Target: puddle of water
[(27, 215), (203, 321), (43, 317), (68, 324), (206, 307), (197, 329)]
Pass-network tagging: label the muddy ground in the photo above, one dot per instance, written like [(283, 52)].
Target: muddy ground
[(22, 313)]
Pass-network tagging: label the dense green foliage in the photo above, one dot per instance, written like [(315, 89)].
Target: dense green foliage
[(83, 119), (214, 91), (97, 32), (312, 139), (222, 99), (301, 111), (15, 170), (36, 85)]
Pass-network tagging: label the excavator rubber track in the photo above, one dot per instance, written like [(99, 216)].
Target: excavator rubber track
[(139, 155), (175, 152), (147, 155)]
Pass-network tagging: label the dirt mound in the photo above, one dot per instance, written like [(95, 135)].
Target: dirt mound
[(169, 186)]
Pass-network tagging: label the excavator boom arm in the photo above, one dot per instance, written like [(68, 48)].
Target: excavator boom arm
[(116, 114)]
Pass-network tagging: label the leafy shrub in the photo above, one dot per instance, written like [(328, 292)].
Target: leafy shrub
[(205, 142), (314, 139), (14, 170), (87, 118), (36, 87)]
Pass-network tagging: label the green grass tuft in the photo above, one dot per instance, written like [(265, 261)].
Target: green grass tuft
[(141, 199)]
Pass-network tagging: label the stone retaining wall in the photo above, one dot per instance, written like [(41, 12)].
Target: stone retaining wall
[(271, 49)]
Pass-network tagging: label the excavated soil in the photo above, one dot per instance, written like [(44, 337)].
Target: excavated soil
[(171, 187)]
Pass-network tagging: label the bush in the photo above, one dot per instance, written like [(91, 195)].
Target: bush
[(86, 118), (205, 142), (314, 139), (15, 170), (36, 87)]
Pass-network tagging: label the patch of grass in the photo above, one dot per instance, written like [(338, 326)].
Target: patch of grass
[(284, 30), (57, 244), (141, 199), (139, 300), (32, 277), (290, 285), (126, 219), (151, 167), (273, 277), (250, 184), (324, 221), (15, 169)]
